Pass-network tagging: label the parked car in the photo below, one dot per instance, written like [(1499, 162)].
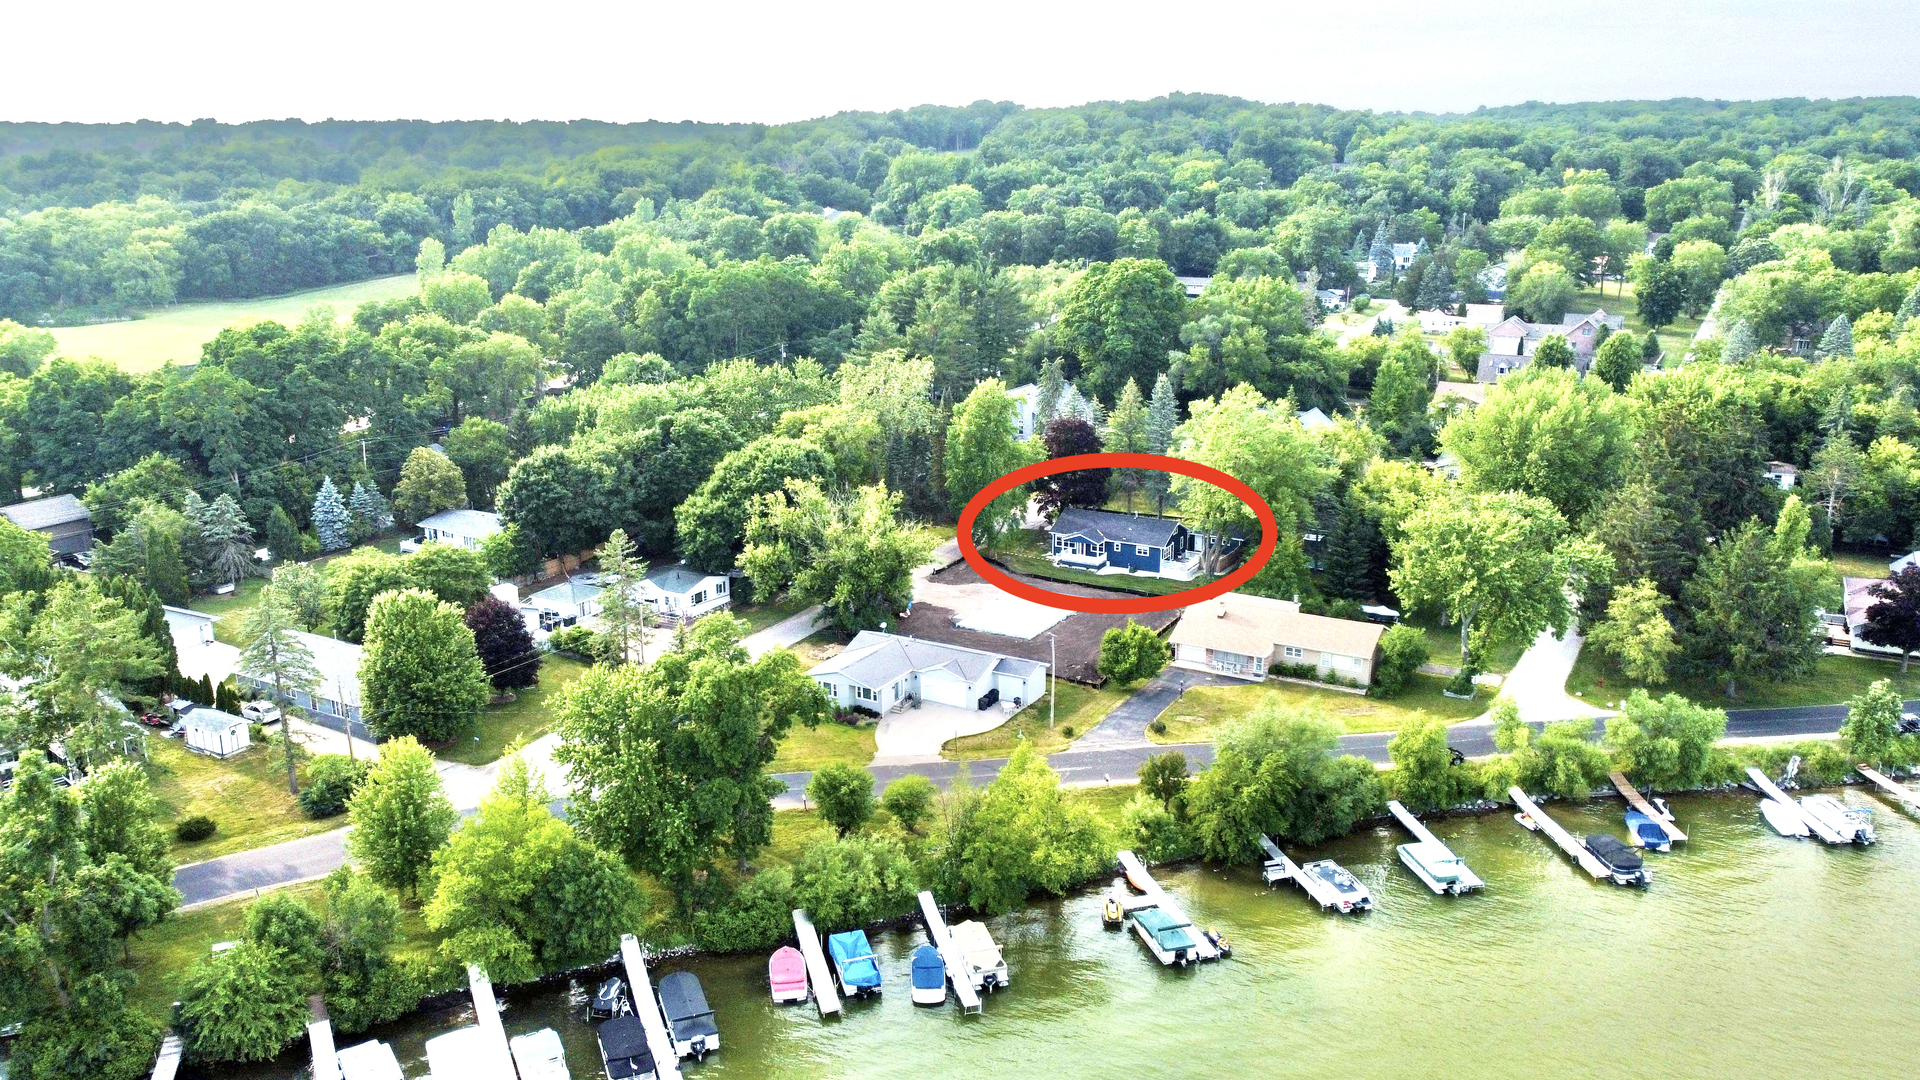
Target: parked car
[(260, 712), (158, 719)]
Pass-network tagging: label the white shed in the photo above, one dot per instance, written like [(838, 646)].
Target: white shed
[(215, 733)]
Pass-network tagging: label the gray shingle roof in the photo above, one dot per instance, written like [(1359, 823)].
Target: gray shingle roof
[(474, 523), (211, 721), (46, 513), (679, 578), (568, 592), (1105, 525), (874, 660)]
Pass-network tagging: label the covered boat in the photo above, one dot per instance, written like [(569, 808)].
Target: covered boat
[(787, 975), (1170, 940), (929, 976), (1783, 818), (1334, 887), (1853, 825), (854, 963), (986, 967), (623, 1049), (372, 1060), (1436, 864), (1623, 864), (610, 1000), (689, 1017), (539, 1055), (1647, 833)]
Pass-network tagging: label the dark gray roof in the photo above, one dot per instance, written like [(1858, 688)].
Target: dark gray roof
[(874, 660), (46, 513), (1107, 525), (678, 578)]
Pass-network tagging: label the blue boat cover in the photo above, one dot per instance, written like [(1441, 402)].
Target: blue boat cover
[(929, 971), (1647, 829), (854, 957)]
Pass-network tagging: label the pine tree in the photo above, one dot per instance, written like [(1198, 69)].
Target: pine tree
[(1127, 433), (1381, 253), (193, 544), (330, 518), (1163, 415), (1909, 309), (1053, 382), (370, 511), (1838, 340), (1356, 555), (1740, 345), (229, 539), (1436, 287)]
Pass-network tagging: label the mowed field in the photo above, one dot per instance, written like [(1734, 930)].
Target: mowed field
[(177, 333)]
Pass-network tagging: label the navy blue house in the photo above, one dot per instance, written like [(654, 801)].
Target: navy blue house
[(1098, 539)]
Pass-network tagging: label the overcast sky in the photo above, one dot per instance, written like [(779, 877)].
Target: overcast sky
[(352, 59)]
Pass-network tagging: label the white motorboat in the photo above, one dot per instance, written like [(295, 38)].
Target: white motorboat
[(1436, 864), (1783, 818), (1853, 825), (1333, 887)]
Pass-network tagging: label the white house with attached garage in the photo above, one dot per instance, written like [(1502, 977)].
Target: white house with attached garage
[(883, 672), (337, 697)]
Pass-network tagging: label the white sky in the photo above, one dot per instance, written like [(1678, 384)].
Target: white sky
[(352, 59)]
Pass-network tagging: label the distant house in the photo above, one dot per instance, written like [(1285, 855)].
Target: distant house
[(1404, 254), (1513, 341), (567, 603), (215, 733), (1856, 597), (1313, 419), (1484, 316), (1245, 636), (1026, 406), (461, 528), (62, 519), (1194, 285), (883, 672), (1782, 473), (679, 591), (1330, 299), (337, 696), (1106, 542), (1467, 393)]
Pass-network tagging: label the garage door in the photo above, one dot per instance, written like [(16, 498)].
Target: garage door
[(944, 691)]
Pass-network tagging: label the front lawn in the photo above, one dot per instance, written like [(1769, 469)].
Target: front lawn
[(245, 795), (1846, 564), (233, 607), (1201, 711), (528, 716), (1078, 710), (806, 749), (760, 616), (1443, 645), (1835, 681)]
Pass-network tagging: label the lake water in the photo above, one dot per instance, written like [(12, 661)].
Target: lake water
[(1749, 954)]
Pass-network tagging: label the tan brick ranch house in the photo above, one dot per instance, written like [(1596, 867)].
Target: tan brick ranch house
[(1243, 636)]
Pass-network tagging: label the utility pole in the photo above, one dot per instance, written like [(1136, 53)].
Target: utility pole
[(1053, 677)]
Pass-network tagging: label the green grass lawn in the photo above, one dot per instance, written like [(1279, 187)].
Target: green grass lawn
[(1079, 708), (1674, 338), (806, 749), (176, 333), (1846, 564), (233, 607), (1835, 680), (246, 796), (1200, 712), (1443, 645), (527, 717), (760, 616)]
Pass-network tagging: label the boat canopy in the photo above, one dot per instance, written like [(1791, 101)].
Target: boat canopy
[(1437, 860), (1612, 851), (623, 1043), (1170, 934), (929, 971), (976, 946), (786, 968), (685, 1004), (855, 959)]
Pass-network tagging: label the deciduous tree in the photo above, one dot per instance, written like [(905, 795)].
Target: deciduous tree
[(429, 483), (844, 795), (1636, 633), (401, 816), (1893, 619), (1548, 433), (850, 554), (1665, 742), (1132, 653)]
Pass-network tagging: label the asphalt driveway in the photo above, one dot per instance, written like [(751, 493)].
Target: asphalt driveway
[(1127, 724)]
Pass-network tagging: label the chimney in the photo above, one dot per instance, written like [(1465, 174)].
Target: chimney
[(1222, 613)]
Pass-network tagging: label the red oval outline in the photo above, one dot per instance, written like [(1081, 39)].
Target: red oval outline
[(1117, 460)]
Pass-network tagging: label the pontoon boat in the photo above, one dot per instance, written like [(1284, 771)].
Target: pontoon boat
[(689, 1017), (986, 967), (1624, 865), (623, 1049), (1853, 824)]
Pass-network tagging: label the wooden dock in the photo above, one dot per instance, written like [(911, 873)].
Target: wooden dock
[(486, 1016), (825, 997), (1639, 802), (957, 973), (1568, 842), (1772, 791), (666, 1063), (326, 1059), (1900, 792), (1136, 872), (1469, 881), (168, 1063), (1278, 867)]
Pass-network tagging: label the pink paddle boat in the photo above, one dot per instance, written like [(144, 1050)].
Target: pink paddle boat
[(787, 974)]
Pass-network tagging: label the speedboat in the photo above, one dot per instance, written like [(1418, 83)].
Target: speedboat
[(1336, 888), (689, 1018), (854, 963), (1527, 822), (1624, 865), (1647, 833), (1784, 818), (1853, 825), (1219, 942), (986, 967), (539, 1055), (610, 1000), (623, 1049), (929, 976), (787, 975)]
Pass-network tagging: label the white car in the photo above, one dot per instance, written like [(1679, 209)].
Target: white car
[(260, 712)]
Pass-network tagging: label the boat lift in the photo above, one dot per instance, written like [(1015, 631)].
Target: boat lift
[(1639, 802), (1467, 882), (950, 955), (1568, 842), (818, 973), (666, 1062), (1772, 791), (1900, 792), (1137, 875)]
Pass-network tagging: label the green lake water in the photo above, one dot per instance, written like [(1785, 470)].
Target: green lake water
[(1750, 954)]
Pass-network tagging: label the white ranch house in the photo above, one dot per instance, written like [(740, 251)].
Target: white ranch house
[(883, 672), (461, 528), (681, 592), (337, 697)]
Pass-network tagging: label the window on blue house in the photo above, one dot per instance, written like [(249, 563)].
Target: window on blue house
[(1139, 549)]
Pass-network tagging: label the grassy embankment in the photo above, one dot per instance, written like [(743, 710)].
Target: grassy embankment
[(245, 795), (176, 333), (1203, 710)]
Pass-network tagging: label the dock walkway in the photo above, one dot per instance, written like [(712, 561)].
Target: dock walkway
[(1568, 842), (1277, 867), (1639, 802), (486, 1016), (1772, 791), (168, 1063), (1900, 792), (666, 1062), (1468, 880), (957, 972), (1136, 872), (825, 997)]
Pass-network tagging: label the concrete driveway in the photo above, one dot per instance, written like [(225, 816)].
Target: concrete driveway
[(918, 734)]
